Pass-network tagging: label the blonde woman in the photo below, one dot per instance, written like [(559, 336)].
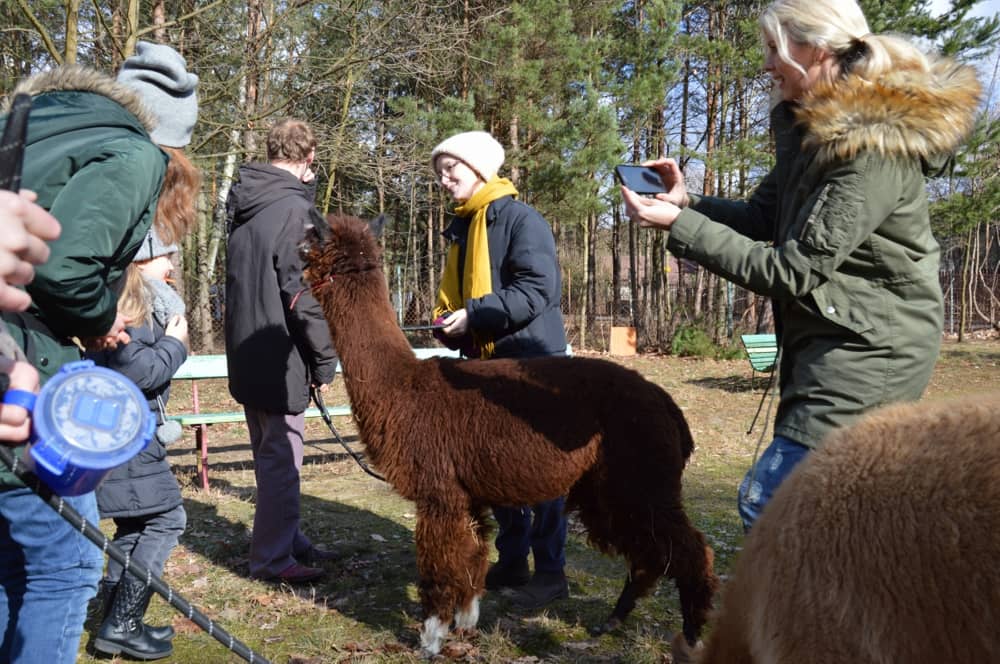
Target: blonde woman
[(838, 233)]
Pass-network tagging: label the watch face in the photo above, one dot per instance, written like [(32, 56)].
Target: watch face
[(96, 411)]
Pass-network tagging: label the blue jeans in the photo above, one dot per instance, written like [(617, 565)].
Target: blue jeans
[(48, 573), (545, 535), (148, 539), (762, 480)]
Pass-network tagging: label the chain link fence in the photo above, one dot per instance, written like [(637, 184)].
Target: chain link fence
[(203, 288)]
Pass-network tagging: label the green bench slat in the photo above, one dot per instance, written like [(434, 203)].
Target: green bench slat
[(204, 367), (761, 349), (191, 419)]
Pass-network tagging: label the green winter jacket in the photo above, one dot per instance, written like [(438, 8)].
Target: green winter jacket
[(91, 162), (838, 235)]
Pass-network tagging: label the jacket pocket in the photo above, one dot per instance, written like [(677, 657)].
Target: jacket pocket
[(852, 306)]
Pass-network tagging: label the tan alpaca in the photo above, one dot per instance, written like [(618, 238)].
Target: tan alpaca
[(882, 547)]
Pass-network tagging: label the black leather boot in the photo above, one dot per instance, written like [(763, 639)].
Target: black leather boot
[(504, 574), (123, 630), (98, 607), (164, 633)]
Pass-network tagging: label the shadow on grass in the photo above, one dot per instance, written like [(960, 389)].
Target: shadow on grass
[(374, 582), (367, 583), (733, 384), (968, 353)]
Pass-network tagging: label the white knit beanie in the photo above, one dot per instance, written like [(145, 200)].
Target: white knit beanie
[(159, 74), (478, 149)]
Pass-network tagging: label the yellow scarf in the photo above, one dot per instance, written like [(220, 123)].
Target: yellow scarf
[(476, 277)]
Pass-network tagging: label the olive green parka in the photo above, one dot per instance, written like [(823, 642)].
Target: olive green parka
[(91, 162), (838, 236)]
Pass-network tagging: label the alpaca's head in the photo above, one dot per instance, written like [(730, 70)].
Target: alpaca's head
[(341, 245)]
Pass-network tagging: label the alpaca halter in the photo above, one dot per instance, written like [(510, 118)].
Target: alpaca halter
[(314, 288)]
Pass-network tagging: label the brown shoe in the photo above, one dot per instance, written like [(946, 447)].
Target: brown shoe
[(296, 573)]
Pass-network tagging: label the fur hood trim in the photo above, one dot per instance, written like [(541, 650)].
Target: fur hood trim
[(912, 114), (85, 79)]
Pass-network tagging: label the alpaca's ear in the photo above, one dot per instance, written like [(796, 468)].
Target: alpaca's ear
[(377, 225), (317, 227)]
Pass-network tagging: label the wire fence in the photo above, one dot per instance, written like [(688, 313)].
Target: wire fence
[(740, 311)]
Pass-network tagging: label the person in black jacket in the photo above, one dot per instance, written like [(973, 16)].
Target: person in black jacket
[(277, 342), (500, 297), (142, 495)]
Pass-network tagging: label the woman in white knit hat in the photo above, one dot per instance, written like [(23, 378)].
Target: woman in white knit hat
[(90, 157), (500, 297)]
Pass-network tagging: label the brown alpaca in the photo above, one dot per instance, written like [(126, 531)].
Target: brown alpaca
[(882, 547), (456, 437)]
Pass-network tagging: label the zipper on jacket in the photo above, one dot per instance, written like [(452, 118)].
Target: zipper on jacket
[(816, 209)]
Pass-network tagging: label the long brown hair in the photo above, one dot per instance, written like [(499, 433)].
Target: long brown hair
[(176, 210)]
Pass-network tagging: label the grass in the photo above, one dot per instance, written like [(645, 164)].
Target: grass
[(367, 610)]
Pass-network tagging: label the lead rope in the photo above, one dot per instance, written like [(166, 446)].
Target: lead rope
[(325, 414), (139, 571)]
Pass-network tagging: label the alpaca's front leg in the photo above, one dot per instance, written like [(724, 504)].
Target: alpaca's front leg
[(445, 545), (467, 616)]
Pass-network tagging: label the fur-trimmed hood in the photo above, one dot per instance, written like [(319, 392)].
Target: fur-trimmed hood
[(912, 114), (85, 79)]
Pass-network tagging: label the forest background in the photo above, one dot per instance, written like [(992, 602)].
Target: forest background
[(570, 88)]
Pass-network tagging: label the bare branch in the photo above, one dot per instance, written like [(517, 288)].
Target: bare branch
[(42, 32), (179, 19)]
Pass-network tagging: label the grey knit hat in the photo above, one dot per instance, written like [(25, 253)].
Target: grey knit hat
[(153, 247), (478, 149), (159, 74)]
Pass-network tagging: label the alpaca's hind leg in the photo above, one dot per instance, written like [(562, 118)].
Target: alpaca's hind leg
[(689, 562), (638, 583), (681, 555), (445, 545), (696, 585)]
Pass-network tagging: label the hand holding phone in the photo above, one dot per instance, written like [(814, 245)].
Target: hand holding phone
[(669, 177), (663, 179), (640, 179)]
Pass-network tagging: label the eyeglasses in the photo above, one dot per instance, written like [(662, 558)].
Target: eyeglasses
[(447, 168)]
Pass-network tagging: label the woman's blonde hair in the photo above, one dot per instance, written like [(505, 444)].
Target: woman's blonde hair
[(176, 211), (840, 27), (135, 297)]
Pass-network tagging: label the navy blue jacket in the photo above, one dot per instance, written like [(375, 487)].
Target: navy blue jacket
[(523, 313), (146, 484)]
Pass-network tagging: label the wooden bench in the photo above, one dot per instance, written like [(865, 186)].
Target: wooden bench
[(762, 351), (204, 367)]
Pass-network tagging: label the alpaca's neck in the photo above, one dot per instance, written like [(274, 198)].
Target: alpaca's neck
[(374, 352)]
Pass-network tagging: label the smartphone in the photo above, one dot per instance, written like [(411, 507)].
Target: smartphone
[(640, 179)]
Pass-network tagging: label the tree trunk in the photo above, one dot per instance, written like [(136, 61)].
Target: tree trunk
[(72, 31)]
